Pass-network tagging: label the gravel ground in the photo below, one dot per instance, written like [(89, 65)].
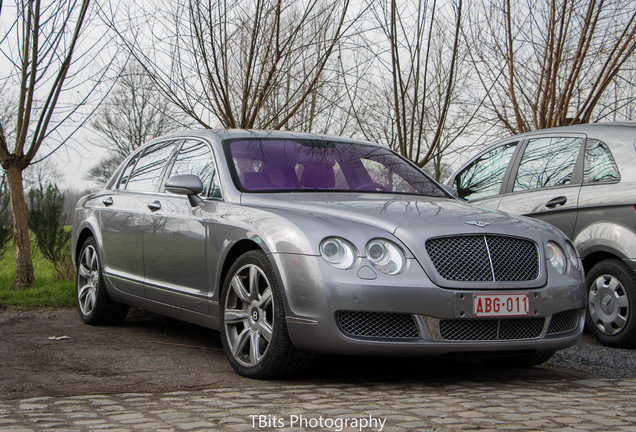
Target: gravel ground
[(594, 360)]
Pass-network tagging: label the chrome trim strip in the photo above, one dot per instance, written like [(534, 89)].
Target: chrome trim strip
[(296, 320)]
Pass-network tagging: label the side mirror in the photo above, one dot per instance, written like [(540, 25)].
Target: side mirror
[(187, 184), (450, 190)]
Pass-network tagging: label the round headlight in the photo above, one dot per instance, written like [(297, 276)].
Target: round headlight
[(556, 256), (574, 257), (386, 256), (338, 252)]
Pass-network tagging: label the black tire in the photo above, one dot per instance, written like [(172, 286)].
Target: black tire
[(252, 314), (93, 302), (518, 361), (612, 303)]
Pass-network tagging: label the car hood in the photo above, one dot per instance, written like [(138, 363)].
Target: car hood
[(410, 218)]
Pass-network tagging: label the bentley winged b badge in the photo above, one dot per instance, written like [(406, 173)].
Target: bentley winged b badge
[(478, 223)]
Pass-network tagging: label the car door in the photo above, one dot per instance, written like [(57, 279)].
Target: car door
[(176, 251), (482, 180), (600, 200), (122, 217), (546, 180)]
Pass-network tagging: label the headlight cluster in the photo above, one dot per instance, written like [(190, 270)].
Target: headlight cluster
[(338, 252), (384, 255), (559, 258)]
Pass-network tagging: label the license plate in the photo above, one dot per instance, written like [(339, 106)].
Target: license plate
[(497, 305)]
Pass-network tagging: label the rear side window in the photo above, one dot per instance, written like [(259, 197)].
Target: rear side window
[(148, 171), (483, 177), (599, 163), (121, 184), (547, 162)]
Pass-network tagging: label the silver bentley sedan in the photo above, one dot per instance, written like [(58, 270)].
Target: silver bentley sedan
[(296, 245)]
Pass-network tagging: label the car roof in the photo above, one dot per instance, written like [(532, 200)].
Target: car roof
[(580, 128), (224, 134)]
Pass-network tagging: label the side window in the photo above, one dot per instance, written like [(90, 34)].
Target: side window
[(147, 173), (196, 158), (599, 163), (547, 162), (121, 184), (483, 177)]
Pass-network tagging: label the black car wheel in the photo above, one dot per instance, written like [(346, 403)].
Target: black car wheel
[(611, 303), (93, 302), (253, 329)]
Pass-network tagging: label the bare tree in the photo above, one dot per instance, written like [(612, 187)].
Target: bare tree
[(414, 98), (40, 47), (101, 172), (550, 63), (40, 175), (134, 112), (242, 63)]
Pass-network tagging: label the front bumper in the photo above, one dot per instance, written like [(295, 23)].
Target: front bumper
[(360, 311)]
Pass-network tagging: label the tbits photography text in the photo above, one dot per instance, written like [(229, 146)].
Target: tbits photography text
[(336, 424)]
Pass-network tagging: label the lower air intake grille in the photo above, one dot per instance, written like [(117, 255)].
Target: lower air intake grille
[(382, 325), (491, 329), (564, 322)]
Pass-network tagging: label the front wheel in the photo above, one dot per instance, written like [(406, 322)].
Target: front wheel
[(93, 302), (611, 303), (253, 329)]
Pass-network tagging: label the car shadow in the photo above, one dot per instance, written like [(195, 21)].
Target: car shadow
[(353, 369)]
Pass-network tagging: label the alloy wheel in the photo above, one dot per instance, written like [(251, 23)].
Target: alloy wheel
[(88, 280), (249, 315)]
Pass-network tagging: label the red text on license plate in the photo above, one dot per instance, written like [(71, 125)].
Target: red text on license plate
[(485, 305)]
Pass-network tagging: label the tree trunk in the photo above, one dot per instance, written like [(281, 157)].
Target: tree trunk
[(24, 275)]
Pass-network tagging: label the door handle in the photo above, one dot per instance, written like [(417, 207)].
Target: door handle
[(154, 206), (555, 202), (108, 201)]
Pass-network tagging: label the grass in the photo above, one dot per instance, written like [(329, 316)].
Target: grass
[(48, 292)]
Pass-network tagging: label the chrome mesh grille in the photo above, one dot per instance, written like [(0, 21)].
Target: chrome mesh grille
[(491, 329), (383, 325), (484, 258), (564, 322)]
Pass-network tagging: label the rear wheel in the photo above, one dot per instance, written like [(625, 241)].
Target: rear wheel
[(611, 303), (253, 329), (93, 302)]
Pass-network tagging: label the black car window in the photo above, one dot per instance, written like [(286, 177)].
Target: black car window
[(483, 177), (196, 158), (599, 163), (547, 162), (147, 173)]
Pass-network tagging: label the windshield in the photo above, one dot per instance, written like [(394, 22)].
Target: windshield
[(273, 165)]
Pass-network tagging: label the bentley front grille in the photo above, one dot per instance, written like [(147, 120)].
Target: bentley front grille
[(484, 258)]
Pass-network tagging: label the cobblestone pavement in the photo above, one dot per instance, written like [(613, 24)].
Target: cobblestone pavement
[(550, 405)]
